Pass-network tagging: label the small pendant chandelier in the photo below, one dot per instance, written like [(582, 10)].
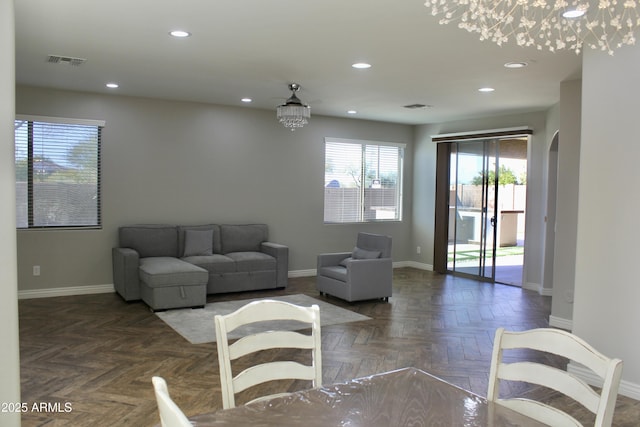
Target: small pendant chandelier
[(293, 113)]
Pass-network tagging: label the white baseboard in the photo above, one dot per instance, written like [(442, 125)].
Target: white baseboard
[(627, 388), (312, 271), (546, 292), (65, 292), (559, 322), (413, 264), (537, 287), (108, 288), (302, 273)]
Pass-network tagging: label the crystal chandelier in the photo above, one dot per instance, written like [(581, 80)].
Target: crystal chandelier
[(546, 24), (293, 113)]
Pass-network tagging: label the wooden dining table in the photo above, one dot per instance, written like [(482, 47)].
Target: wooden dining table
[(404, 397)]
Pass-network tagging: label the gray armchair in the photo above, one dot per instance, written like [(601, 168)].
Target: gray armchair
[(365, 273)]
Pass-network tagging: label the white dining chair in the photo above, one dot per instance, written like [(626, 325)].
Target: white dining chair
[(170, 414), (566, 345), (251, 343)]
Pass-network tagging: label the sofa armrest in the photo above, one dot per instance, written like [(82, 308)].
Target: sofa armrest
[(327, 260), (126, 279), (281, 254)]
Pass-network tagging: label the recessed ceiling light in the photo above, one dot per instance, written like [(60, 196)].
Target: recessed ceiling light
[(361, 65), (575, 13), (112, 85), (246, 100), (516, 64), (352, 112), (180, 33), (486, 89)]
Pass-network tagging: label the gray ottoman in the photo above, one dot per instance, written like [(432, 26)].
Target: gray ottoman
[(167, 282)]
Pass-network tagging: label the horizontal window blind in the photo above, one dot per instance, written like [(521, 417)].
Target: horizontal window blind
[(363, 181), (57, 174)]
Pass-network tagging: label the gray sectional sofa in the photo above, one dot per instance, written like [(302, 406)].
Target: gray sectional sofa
[(175, 266)]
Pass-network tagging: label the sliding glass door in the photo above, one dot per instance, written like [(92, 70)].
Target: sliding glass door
[(480, 208), (472, 208)]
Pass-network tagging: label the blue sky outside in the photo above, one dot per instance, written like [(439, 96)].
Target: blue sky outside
[(52, 141)]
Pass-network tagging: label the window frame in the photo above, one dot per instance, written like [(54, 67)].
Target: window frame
[(30, 119), (399, 192)]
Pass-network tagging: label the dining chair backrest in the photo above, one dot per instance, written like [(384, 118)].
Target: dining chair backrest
[(566, 345), (267, 311), (170, 413)]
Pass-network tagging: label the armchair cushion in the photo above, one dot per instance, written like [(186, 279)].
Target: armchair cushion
[(359, 253), (337, 272)]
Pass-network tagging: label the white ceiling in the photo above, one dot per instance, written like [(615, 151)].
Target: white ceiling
[(254, 48)]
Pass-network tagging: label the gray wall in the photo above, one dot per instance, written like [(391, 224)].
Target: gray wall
[(550, 170), (607, 295), (189, 163), (424, 196), (567, 201), (9, 356)]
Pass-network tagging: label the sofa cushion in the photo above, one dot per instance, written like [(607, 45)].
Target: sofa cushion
[(150, 240), (215, 263), (252, 261), (335, 272), (243, 238), (182, 229), (345, 262), (198, 242), (167, 271)]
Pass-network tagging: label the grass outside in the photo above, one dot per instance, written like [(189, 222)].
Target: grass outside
[(474, 254)]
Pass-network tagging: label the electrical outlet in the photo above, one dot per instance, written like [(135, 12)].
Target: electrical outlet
[(418, 250), (36, 270), (568, 296)]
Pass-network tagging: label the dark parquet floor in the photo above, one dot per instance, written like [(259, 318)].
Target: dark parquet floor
[(90, 358)]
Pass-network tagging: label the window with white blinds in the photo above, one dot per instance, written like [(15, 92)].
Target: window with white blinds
[(362, 181), (57, 164)]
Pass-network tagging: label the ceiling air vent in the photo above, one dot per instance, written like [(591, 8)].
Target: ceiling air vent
[(417, 106), (69, 60)]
